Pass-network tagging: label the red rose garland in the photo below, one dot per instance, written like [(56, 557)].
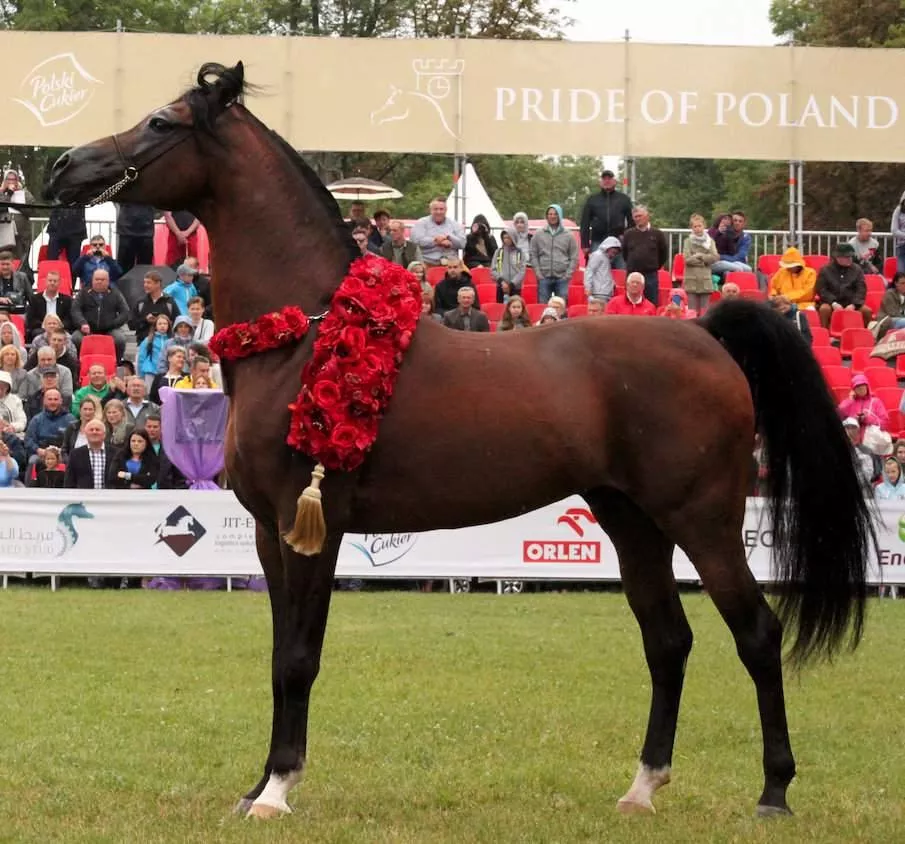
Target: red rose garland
[(349, 380)]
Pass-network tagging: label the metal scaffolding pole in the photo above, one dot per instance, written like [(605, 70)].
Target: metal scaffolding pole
[(799, 228), (792, 240)]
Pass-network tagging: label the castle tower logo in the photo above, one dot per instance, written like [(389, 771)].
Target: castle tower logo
[(436, 95)]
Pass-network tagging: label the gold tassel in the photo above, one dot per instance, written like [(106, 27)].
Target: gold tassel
[(309, 531)]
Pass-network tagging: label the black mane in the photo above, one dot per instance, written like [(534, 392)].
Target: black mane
[(219, 87)]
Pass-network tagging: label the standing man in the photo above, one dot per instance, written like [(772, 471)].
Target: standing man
[(182, 238), (646, 251), (605, 214), (66, 231), (554, 256), (145, 311), (135, 234), (439, 237)]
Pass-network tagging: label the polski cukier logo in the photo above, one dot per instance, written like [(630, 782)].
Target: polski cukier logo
[(57, 90)]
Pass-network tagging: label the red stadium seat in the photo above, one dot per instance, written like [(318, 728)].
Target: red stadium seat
[(879, 378), (890, 396), (98, 344), (875, 284), (42, 253), (535, 312), (768, 264), (481, 275), (745, 281), (862, 360), (494, 310), (890, 267), (853, 338), (813, 318), (619, 277), (435, 275), (820, 335), (664, 279), (816, 262), (493, 326), (530, 277), (873, 300), (678, 268), (837, 376), (577, 296), (900, 366), (896, 424), (61, 267), (19, 321), (486, 292), (827, 355), (529, 293), (841, 320), (577, 311), (754, 295)]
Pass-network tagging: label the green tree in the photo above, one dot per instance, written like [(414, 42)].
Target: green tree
[(837, 193)]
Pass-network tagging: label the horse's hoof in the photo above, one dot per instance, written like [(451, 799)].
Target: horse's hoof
[(265, 812), (773, 811), (629, 806), (243, 806)]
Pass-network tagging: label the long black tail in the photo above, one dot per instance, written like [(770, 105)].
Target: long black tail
[(823, 528)]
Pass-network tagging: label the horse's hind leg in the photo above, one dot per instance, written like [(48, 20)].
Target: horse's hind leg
[(645, 561), (719, 557)]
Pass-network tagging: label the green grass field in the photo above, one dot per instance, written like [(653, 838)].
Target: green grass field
[(137, 717)]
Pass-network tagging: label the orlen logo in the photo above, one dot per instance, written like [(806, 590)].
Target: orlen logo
[(58, 89), (572, 551)]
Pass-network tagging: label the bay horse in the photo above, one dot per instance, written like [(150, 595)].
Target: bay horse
[(651, 421)]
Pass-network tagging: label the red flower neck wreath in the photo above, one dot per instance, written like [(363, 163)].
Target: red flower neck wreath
[(348, 382)]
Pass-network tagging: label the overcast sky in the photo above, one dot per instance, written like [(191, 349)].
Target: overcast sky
[(674, 21)]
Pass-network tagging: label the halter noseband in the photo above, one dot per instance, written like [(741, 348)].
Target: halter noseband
[(131, 172)]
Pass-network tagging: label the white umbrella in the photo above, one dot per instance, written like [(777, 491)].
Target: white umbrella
[(358, 189)]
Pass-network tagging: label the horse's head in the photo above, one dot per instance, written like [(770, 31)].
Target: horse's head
[(161, 160), (77, 511)]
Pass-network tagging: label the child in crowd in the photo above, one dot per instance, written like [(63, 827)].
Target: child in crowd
[(182, 337), (151, 351), (515, 315)]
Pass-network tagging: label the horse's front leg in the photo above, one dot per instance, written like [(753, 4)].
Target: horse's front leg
[(299, 626)]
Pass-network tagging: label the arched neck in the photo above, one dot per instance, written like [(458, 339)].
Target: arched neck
[(275, 241)]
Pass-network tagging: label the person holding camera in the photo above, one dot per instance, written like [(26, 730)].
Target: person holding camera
[(97, 258), (15, 225), (15, 288)]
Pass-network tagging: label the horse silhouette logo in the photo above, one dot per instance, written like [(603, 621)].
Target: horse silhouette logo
[(66, 528), (180, 531), (437, 93)]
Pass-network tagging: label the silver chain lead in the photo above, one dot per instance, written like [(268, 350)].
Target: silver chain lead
[(129, 175)]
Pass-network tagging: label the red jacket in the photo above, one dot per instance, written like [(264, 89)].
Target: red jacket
[(621, 306)]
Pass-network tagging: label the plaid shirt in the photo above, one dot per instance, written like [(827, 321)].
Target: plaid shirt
[(98, 466)]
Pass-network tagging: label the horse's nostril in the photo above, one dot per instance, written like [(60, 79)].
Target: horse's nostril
[(61, 163)]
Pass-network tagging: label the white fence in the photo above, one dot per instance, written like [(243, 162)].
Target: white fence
[(175, 533)]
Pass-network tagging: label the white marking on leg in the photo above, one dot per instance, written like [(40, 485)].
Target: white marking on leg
[(277, 790), (647, 781)]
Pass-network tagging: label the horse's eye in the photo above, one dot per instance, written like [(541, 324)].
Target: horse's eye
[(158, 124)]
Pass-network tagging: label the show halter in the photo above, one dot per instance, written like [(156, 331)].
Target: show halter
[(349, 379)]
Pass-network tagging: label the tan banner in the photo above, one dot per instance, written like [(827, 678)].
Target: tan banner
[(481, 96)]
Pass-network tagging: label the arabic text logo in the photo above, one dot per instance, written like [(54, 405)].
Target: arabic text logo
[(437, 93), (57, 90), (180, 531)]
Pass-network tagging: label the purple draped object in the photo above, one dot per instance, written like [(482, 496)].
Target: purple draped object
[(193, 429)]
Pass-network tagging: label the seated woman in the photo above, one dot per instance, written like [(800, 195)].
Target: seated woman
[(677, 307), (891, 485), (794, 279), (515, 315), (176, 365), (50, 324), (416, 268), (136, 466), (864, 407), (427, 305), (74, 435), (9, 336), (11, 363), (559, 305), (891, 313), (119, 427)]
